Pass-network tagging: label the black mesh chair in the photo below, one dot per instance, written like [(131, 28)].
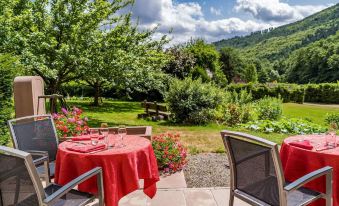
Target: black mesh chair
[(20, 184), (36, 135), (257, 177)]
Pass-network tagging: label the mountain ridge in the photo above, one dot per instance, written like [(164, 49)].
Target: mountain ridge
[(329, 16)]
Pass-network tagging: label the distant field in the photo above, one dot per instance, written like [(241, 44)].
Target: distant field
[(197, 138)]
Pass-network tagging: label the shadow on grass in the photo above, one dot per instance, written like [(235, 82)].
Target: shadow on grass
[(108, 106), (94, 122)]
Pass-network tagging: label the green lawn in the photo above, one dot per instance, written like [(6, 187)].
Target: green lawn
[(315, 113), (197, 138)]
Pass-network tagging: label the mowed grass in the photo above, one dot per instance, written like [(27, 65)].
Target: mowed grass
[(196, 138), (315, 113)]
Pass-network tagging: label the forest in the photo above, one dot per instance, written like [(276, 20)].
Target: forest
[(302, 52)]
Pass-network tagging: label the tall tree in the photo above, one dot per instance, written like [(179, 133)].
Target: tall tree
[(207, 64), (181, 63), (54, 37), (119, 55), (231, 63), (7, 71)]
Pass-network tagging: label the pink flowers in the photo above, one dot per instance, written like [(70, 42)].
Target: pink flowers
[(64, 111), (170, 153), (70, 123)]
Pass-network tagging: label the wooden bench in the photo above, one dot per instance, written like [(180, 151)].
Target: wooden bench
[(155, 109)]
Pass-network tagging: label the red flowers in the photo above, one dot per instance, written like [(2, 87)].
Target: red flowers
[(70, 123), (170, 153)]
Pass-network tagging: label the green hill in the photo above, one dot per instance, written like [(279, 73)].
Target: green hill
[(282, 45)]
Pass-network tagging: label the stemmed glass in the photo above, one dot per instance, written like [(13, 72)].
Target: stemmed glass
[(122, 133)]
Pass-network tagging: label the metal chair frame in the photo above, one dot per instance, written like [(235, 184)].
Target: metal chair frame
[(48, 200), (284, 188), (43, 154)]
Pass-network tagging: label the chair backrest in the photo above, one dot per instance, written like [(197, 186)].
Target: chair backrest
[(35, 133), (19, 181), (255, 167), (143, 131)]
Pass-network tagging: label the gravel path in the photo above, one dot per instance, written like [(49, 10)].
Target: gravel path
[(207, 170)]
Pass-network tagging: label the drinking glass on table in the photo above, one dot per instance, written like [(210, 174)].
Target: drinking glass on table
[(104, 132), (122, 133), (331, 136), (94, 134)]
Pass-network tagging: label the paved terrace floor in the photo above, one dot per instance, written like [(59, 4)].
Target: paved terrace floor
[(182, 197), (173, 191)]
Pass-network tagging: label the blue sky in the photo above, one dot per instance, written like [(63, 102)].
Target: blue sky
[(213, 20), (226, 7)]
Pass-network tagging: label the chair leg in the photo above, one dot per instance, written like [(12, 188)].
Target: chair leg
[(47, 174), (100, 189), (231, 202), (329, 189)]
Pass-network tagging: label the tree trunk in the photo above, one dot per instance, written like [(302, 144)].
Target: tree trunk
[(53, 87), (96, 94)]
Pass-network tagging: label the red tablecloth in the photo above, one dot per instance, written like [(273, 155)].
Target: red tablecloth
[(122, 168), (297, 162)]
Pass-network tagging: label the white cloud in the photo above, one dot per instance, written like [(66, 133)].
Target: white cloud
[(215, 11), (277, 11), (187, 20)]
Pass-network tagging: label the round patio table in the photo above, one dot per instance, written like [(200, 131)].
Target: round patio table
[(297, 162), (122, 168)]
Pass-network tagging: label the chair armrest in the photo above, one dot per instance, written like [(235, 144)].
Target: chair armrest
[(66, 188), (309, 177), (40, 160), (43, 156), (37, 152)]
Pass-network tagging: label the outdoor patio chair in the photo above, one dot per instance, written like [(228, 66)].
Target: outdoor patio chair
[(257, 177), (20, 184), (36, 135)]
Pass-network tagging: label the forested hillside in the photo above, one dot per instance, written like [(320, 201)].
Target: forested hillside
[(301, 52)]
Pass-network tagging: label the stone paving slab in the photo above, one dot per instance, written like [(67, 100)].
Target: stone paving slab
[(176, 180), (182, 197)]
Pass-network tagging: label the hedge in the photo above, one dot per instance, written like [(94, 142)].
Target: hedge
[(288, 92), (327, 93)]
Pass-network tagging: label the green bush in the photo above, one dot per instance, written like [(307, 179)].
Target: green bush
[(332, 119), (285, 126), (236, 108), (193, 102), (6, 80), (269, 108)]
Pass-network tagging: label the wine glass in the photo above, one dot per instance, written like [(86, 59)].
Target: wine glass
[(122, 133)]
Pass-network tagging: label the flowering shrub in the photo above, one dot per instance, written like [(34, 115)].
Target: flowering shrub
[(170, 153), (70, 123)]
